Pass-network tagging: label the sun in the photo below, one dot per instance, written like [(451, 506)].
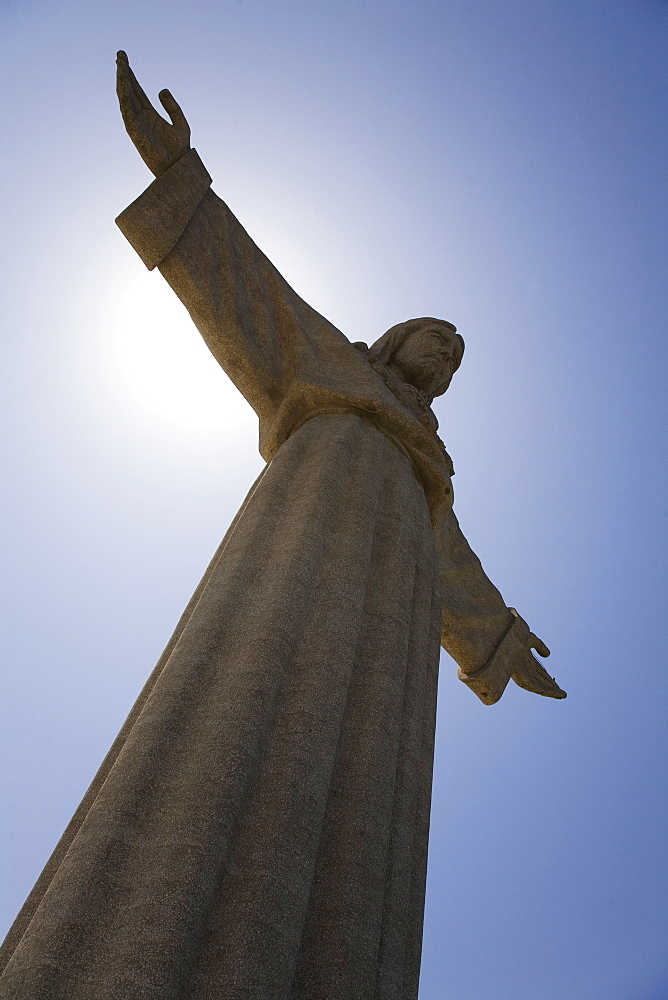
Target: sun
[(164, 367)]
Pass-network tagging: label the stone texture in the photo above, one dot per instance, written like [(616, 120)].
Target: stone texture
[(259, 828)]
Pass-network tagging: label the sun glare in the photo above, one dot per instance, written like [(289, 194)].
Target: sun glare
[(166, 368)]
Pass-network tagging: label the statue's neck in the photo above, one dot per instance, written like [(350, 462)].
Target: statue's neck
[(408, 394)]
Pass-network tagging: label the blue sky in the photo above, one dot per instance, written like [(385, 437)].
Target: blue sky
[(500, 164)]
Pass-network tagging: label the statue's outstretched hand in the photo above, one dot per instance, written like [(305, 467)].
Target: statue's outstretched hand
[(159, 144), (529, 673)]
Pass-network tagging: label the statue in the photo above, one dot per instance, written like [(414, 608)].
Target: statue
[(259, 827)]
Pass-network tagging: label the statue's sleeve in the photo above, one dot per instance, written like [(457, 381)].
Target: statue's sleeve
[(484, 636), (258, 329)]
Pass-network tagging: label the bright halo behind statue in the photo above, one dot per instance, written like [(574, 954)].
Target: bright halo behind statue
[(167, 371)]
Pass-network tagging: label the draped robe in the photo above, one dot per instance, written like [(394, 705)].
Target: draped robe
[(258, 830)]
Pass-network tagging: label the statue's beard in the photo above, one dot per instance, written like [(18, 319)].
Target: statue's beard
[(425, 374)]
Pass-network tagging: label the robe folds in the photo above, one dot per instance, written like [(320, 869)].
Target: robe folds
[(258, 830)]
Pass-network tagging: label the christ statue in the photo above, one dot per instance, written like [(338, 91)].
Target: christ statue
[(258, 830)]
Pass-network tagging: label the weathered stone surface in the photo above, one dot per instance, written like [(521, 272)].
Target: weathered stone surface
[(259, 828)]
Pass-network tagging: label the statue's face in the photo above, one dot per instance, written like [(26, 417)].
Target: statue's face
[(427, 359)]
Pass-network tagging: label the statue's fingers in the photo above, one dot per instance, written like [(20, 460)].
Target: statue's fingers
[(538, 645), (134, 84), (533, 677), (174, 111), (127, 98)]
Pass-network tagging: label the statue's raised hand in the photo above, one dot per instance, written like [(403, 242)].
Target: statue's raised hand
[(159, 143)]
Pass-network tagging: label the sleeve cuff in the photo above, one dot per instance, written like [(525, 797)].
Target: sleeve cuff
[(155, 222), (489, 682)]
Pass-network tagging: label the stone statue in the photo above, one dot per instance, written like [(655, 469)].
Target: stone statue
[(258, 830)]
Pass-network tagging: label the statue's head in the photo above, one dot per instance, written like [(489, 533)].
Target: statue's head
[(424, 352)]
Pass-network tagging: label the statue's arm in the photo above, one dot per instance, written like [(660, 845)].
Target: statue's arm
[(490, 642), (254, 323)]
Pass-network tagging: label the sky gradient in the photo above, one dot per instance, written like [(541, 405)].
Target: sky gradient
[(499, 164)]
